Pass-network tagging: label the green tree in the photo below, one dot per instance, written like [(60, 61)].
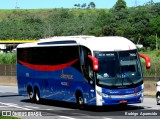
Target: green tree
[(108, 30), (154, 25), (75, 5), (78, 5), (151, 40), (92, 5), (120, 4), (83, 5)]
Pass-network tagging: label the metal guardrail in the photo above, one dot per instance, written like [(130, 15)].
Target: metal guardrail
[(152, 78), (16, 41)]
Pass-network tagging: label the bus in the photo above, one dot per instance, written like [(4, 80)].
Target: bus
[(86, 70)]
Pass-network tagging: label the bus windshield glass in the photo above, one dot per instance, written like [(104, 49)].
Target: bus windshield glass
[(120, 69)]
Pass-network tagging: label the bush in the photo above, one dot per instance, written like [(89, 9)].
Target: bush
[(153, 71), (142, 49), (158, 53), (8, 58)]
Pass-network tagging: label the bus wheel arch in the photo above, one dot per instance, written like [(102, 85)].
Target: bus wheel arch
[(79, 99)]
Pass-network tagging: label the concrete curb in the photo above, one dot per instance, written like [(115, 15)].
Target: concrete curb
[(8, 80)]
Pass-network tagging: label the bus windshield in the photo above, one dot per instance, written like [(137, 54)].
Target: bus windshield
[(120, 69)]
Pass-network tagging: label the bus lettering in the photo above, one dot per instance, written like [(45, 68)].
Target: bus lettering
[(66, 76)]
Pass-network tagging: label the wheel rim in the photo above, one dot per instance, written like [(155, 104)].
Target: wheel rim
[(158, 99), (80, 100), (30, 95), (37, 97)]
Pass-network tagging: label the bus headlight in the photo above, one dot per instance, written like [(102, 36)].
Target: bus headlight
[(139, 93), (102, 94)]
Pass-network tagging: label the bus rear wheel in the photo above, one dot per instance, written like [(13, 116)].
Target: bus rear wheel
[(30, 94), (31, 97), (37, 96)]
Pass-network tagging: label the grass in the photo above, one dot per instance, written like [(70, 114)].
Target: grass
[(154, 55), (4, 13), (154, 71), (8, 117)]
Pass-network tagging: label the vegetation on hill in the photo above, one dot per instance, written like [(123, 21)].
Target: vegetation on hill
[(140, 24)]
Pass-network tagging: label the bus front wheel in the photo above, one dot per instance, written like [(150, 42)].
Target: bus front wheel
[(80, 101)]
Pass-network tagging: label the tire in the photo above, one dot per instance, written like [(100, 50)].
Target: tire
[(37, 96), (30, 93), (31, 96), (80, 101), (158, 98)]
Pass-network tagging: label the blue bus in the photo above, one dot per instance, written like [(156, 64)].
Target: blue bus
[(86, 70)]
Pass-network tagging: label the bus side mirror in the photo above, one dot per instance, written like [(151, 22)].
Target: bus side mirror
[(94, 62), (147, 60)]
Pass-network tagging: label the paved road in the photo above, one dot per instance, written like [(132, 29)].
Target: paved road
[(21, 106)]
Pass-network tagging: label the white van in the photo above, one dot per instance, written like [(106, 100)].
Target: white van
[(158, 92)]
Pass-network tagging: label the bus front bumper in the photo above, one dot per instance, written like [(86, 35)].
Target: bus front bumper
[(121, 99)]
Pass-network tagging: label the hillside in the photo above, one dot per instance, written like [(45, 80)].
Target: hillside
[(4, 13), (140, 24)]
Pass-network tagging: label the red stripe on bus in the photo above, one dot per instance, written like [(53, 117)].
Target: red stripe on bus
[(48, 67)]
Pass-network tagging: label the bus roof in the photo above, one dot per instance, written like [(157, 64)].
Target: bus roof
[(108, 43)]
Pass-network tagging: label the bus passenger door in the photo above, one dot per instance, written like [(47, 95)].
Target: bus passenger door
[(92, 69), (86, 64)]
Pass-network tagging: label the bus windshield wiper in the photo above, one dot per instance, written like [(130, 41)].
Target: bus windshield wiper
[(128, 78)]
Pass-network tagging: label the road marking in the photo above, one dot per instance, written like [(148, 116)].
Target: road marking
[(66, 117), (14, 105), (31, 107), (79, 114), (107, 118), (48, 109), (11, 103), (2, 91), (3, 106)]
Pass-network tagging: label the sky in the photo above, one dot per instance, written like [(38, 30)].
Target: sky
[(44, 4)]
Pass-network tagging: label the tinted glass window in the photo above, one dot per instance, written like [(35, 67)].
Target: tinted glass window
[(48, 55)]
